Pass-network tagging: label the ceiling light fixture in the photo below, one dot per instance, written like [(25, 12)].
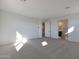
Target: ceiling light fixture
[(24, 0), (68, 7)]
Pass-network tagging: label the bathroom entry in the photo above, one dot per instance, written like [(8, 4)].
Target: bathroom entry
[(63, 29), (43, 29)]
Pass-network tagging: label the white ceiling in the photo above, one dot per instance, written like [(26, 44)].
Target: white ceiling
[(41, 8)]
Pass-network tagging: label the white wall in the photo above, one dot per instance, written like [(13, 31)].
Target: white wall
[(51, 28), (31, 28), (10, 23), (73, 21), (54, 28), (47, 28)]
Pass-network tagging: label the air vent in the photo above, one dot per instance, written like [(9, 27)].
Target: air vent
[(68, 7), (24, 0)]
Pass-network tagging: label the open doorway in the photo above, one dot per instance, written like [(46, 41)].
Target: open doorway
[(63, 29)]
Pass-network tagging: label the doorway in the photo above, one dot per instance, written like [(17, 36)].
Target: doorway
[(63, 29)]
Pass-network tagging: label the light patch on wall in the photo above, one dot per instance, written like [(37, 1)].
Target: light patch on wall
[(44, 43), (20, 41), (18, 36), (70, 30), (24, 40)]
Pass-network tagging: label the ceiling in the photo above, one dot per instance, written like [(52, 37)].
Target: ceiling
[(41, 8)]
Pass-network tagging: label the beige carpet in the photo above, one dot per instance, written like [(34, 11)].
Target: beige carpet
[(33, 49)]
